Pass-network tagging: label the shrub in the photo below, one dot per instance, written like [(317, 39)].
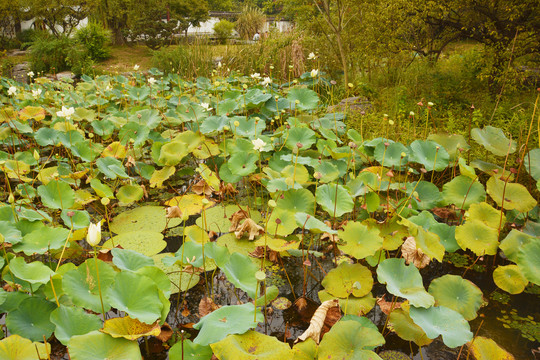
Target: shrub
[(95, 39), (50, 53), (26, 37), (223, 30), (250, 21)]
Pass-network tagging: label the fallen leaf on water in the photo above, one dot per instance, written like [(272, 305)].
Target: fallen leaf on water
[(317, 321), (236, 218)]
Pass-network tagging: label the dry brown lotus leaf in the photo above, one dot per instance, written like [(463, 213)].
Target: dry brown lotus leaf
[(166, 333), (202, 187), (130, 162), (236, 218), (331, 237), (174, 212), (445, 213), (317, 321), (259, 252), (227, 189), (412, 254), (249, 226), (387, 307), (206, 306)]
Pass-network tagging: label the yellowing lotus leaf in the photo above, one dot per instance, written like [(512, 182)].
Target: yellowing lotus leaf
[(130, 328)]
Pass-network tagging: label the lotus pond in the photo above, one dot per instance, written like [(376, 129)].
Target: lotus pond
[(147, 216)]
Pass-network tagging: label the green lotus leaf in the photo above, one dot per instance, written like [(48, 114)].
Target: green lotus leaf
[(494, 140), (349, 339), (144, 218), (426, 195), (214, 123), (401, 323), (35, 272), (477, 236), (128, 328), (191, 253), (11, 300), (278, 244), (328, 171), (159, 277), (217, 218), (351, 305), (15, 347), (428, 241), (372, 201), (300, 135), (111, 167), (515, 195), (82, 286), (465, 169), (102, 128), (458, 294), (451, 142), (390, 156), (334, 204), (213, 251), (145, 242), (102, 190), (133, 131), (146, 117), (179, 280), (391, 231), (131, 260), (510, 279), (242, 245), (98, 346), (236, 319), (483, 348), (46, 136), (529, 260), (240, 271), (305, 350), (42, 240), (71, 321), (31, 319), (57, 195), (172, 153), (513, 242), (243, 163), (256, 97), (404, 281), (296, 200), (361, 241), (299, 173), (463, 191), (190, 351), (136, 295), (307, 99), (128, 194), (251, 345), (196, 234), (309, 222), (440, 320), (10, 233), (348, 279), (490, 168), (532, 163), (487, 214), (158, 177), (430, 154), (78, 219)]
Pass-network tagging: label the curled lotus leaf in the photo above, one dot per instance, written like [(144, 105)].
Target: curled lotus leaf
[(483, 348), (401, 323)]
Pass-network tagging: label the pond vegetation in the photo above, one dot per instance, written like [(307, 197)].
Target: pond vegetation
[(147, 215)]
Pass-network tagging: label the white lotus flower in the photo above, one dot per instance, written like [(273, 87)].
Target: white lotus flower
[(312, 56), (151, 81), (219, 65), (255, 76), (12, 90), (30, 74), (411, 113), (94, 234), (136, 67), (206, 106), (36, 93), (65, 112), (314, 73), (430, 104), (267, 81), (258, 144)]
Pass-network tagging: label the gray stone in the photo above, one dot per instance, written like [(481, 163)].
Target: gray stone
[(19, 72), (65, 76)]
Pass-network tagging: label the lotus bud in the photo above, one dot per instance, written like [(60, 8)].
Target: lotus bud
[(36, 155), (205, 201), (297, 101), (94, 234), (350, 85), (391, 122), (411, 113), (226, 128), (11, 198), (105, 201), (237, 123), (272, 203), (403, 154), (317, 175)]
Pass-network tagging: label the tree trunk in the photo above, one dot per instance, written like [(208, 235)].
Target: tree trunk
[(343, 59)]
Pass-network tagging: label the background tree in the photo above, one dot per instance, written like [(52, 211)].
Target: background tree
[(57, 16)]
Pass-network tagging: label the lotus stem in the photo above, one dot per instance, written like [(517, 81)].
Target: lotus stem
[(54, 292), (435, 162), (99, 283), (64, 248)]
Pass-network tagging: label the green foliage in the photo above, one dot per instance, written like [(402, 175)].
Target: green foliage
[(95, 39), (49, 53), (223, 30), (189, 60), (250, 21)]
